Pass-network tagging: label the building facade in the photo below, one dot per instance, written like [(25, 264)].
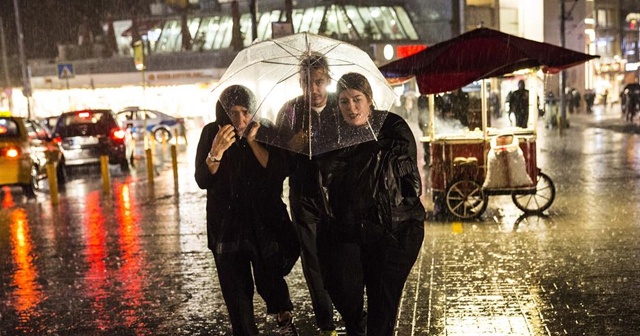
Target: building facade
[(186, 52)]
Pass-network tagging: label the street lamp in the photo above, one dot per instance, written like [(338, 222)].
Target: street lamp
[(564, 15), (26, 82)]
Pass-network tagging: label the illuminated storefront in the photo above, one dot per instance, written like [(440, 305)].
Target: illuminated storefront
[(178, 80)]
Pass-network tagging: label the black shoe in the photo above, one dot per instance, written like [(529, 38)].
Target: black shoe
[(286, 328)]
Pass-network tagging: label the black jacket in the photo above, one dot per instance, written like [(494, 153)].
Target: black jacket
[(294, 116), (245, 210), (373, 187)]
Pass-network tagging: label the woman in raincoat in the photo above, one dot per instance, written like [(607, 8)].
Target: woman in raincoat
[(376, 224), (246, 217)]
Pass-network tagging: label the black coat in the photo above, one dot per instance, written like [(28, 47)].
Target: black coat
[(296, 115), (373, 187), (245, 210)]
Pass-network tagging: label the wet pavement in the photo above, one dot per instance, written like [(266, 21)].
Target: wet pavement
[(135, 262)]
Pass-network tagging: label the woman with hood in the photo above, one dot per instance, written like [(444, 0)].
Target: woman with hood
[(246, 217), (376, 219)]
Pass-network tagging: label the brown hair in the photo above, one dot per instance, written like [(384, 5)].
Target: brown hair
[(311, 63), (355, 81)]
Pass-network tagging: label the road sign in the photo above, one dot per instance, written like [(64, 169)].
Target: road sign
[(65, 71)]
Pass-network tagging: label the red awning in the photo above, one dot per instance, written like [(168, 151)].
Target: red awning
[(480, 53)]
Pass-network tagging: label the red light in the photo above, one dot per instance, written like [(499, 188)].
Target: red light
[(118, 134), (57, 140), (84, 115), (12, 152), (408, 50)]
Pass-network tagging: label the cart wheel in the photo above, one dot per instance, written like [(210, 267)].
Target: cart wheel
[(541, 200), (466, 200)]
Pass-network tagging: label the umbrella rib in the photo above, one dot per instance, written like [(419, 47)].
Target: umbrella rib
[(271, 90)]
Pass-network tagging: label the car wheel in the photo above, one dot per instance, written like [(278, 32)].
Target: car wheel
[(29, 189), (124, 165), (160, 132)]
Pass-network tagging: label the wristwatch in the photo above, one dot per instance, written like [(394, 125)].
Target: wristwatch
[(212, 159)]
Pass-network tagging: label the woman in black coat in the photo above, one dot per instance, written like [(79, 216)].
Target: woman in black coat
[(245, 213), (376, 224)]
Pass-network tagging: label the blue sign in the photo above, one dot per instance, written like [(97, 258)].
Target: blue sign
[(65, 71)]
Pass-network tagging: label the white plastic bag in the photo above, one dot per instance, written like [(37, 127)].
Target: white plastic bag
[(506, 167)]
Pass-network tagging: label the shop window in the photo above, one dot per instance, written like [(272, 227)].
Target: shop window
[(207, 31), (169, 37), (264, 23), (224, 33), (404, 20), (370, 27)]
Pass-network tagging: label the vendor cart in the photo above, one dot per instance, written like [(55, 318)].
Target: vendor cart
[(460, 161), (459, 168)]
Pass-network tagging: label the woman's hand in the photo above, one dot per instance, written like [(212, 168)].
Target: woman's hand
[(224, 139), (253, 131), (258, 150)]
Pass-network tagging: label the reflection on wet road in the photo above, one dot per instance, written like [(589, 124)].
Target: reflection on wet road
[(135, 261)]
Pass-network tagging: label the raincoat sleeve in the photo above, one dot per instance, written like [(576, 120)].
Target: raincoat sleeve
[(204, 178), (403, 182)]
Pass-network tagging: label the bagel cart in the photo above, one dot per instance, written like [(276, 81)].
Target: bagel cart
[(459, 169), (459, 161)]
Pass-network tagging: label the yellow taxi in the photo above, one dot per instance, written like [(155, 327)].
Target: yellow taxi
[(25, 148)]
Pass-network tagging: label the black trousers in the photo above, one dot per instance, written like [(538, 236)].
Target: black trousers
[(381, 267), (305, 215), (522, 118), (237, 284)]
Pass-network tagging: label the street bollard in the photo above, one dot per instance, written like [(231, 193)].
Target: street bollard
[(53, 182), (133, 147), (152, 144), (174, 164), (184, 135), (104, 169), (164, 143), (150, 170)]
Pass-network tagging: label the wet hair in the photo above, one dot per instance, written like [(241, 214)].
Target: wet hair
[(355, 81), (235, 95), (311, 63)]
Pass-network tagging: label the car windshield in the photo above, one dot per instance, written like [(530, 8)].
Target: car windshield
[(8, 128), (84, 123)]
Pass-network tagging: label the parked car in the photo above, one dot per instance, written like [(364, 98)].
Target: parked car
[(86, 135), (157, 123), (49, 122), (25, 148)]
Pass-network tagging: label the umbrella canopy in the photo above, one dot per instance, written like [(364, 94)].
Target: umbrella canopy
[(480, 53), (271, 71)]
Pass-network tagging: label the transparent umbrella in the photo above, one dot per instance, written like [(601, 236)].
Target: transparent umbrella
[(271, 70)]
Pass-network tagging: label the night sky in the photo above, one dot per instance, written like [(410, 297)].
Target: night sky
[(46, 23)]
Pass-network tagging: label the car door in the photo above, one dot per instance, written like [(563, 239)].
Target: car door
[(127, 118), (40, 144)]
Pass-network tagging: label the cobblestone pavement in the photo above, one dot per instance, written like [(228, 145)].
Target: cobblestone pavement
[(134, 262)]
